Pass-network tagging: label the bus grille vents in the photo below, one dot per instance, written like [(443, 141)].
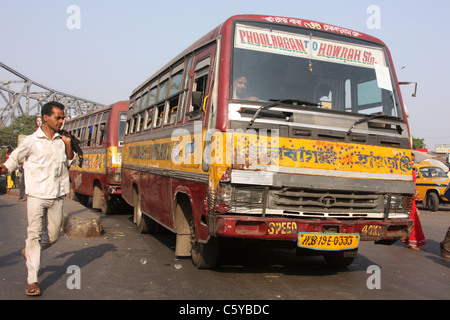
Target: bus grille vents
[(315, 200)]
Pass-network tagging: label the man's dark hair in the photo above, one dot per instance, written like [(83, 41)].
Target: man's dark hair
[(48, 107)]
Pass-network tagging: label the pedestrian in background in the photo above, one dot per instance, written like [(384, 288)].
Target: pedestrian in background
[(47, 156), (10, 179)]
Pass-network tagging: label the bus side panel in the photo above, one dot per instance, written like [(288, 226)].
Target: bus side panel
[(149, 185), (127, 188), (162, 200), (83, 182)]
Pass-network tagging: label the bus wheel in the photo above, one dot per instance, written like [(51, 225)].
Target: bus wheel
[(340, 259), (144, 223), (107, 206), (97, 197), (204, 255)]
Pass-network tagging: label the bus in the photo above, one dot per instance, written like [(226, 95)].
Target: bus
[(284, 130), (98, 173)]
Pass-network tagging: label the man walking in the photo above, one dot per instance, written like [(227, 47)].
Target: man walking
[(47, 156)]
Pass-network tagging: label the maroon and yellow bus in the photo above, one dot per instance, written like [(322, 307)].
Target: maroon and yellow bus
[(276, 129), (98, 174)]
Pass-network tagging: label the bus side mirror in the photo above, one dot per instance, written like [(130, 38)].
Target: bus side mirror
[(407, 83), (197, 100)]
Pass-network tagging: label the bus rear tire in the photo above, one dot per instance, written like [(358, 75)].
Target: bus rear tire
[(144, 224)]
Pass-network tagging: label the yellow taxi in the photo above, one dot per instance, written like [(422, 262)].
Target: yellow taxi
[(431, 182)]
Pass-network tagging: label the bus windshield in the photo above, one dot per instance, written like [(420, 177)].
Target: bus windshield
[(275, 63)]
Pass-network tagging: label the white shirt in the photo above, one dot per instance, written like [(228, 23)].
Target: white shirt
[(46, 165)]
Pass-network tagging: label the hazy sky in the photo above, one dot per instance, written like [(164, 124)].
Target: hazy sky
[(119, 44)]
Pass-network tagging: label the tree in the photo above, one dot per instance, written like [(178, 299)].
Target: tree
[(419, 143), (24, 125)]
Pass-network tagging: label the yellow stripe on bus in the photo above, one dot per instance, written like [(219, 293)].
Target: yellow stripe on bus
[(244, 151)]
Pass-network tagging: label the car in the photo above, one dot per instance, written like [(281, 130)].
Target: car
[(431, 182)]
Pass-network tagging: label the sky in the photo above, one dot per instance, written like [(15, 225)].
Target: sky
[(103, 49)]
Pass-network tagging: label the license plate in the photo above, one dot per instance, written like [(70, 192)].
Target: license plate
[(328, 241)]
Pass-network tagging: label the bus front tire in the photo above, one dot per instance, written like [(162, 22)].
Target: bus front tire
[(204, 255)]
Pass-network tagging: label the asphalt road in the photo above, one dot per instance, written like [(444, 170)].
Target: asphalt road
[(123, 264)]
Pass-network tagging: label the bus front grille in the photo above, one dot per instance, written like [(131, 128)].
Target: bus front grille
[(295, 202)]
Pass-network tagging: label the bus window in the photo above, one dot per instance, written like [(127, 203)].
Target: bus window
[(159, 115), (365, 97), (144, 103), (185, 89), (369, 97), (131, 106), (152, 98), (140, 123), (172, 106), (95, 140), (137, 105), (134, 122), (90, 135), (101, 134), (83, 136), (127, 128), (105, 116), (148, 118), (174, 96), (199, 86), (122, 124), (175, 84), (163, 90)]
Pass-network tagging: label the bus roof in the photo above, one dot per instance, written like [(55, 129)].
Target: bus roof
[(304, 23), (107, 107)]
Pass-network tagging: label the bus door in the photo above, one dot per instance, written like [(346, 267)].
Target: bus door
[(198, 115)]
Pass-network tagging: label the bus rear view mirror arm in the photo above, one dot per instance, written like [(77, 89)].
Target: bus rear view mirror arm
[(407, 83)]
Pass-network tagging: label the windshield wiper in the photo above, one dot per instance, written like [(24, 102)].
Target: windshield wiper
[(366, 119), (275, 103)]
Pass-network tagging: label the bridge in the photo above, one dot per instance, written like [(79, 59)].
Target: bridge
[(22, 96)]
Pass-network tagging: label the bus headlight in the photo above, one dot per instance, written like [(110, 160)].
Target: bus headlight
[(399, 204)]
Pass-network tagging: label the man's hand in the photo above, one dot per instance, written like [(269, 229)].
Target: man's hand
[(3, 169), (66, 139), (68, 142)]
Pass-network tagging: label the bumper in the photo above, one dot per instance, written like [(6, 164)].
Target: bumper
[(114, 190), (288, 229)]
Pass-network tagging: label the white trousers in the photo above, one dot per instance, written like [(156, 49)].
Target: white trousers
[(45, 217)]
